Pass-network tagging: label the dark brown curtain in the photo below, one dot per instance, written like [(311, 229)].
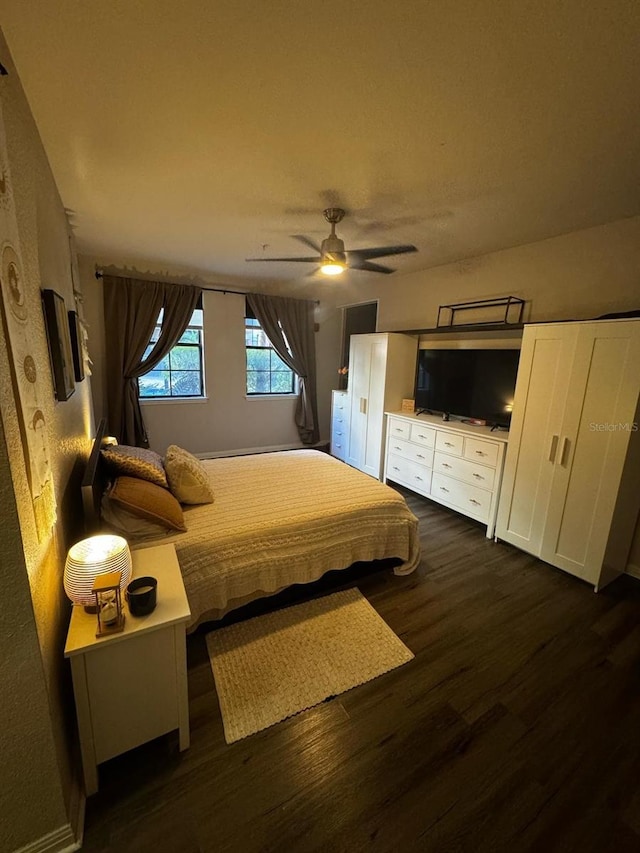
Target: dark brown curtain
[(131, 309), (288, 323)]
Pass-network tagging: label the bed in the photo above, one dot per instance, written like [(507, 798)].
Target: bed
[(277, 519)]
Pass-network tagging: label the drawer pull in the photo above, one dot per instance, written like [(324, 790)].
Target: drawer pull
[(481, 453), (420, 435), (442, 489), (448, 444), (418, 478), (399, 429), (478, 476), (395, 447), (419, 456), (395, 467), (445, 465), (474, 501)]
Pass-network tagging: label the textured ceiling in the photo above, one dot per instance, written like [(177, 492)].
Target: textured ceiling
[(202, 133)]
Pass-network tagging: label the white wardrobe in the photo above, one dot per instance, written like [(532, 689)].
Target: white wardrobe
[(382, 370), (571, 486)]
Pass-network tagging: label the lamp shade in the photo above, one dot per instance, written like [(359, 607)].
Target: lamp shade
[(92, 557)]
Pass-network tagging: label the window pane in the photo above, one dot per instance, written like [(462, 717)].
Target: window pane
[(185, 358), (190, 336), (256, 338), (163, 364), (185, 383), (277, 363), (258, 359), (281, 383), (260, 381), (154, 384)]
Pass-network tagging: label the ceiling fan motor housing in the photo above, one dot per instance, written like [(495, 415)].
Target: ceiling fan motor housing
[(332, 248)]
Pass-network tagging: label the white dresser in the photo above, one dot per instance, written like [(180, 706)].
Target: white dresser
[(456, 464), (339, 424)]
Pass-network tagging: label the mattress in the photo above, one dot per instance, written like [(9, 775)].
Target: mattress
[(285, 518)]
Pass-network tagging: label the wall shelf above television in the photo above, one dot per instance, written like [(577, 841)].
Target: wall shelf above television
[(485, 311), (470, 327)]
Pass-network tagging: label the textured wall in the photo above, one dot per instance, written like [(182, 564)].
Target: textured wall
[(38, 788)]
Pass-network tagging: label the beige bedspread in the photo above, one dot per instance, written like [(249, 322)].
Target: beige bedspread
[(285, 518)]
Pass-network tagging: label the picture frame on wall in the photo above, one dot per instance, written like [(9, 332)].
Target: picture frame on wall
[(75, 333), (59, 340)]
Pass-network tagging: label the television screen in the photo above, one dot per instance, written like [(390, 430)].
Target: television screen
[(469, 383)]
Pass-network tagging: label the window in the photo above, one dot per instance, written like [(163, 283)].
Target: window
[(180, 373), (266, 371)]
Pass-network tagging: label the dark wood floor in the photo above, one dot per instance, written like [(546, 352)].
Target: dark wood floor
[(515, 728)]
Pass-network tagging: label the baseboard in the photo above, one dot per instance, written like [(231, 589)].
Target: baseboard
[(632, 570), (246, 451), (77, 807), (61, 840)]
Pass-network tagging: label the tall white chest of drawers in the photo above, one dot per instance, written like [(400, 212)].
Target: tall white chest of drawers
[(456, 464), (339, 424)]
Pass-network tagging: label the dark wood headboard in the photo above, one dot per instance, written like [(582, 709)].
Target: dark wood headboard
[(94, 482)]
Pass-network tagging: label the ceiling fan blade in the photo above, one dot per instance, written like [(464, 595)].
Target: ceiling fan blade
[(369, 267), (307, 242), (381, 251), (294, 260)]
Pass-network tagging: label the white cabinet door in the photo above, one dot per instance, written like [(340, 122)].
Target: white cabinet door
[(534, 435), (359, 384), (373, 441)]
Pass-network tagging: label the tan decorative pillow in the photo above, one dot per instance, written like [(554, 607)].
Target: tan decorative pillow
[(147, 500), (135, 462), (187, 477)]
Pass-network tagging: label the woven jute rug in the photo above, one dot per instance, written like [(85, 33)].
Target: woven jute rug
[(274, 666)]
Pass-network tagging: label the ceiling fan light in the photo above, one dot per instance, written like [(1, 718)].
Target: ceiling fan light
[(332, 268)]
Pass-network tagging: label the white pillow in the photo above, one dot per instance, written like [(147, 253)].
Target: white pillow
[(187, 477)]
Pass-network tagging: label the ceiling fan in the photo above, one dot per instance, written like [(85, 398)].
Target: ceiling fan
[(333, 259)]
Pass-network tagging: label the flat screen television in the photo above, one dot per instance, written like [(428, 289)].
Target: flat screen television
[(468, 383)]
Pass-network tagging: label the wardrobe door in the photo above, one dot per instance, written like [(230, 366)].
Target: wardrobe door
[(359, 383), (594, 438), (372, 459), (539, 403)]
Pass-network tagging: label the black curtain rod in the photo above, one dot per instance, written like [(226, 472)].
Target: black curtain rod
[(100, 274)]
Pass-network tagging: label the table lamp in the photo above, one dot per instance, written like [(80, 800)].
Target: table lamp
[(91, 557)]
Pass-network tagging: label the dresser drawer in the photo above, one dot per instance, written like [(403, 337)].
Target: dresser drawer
[(338, 432), (469, 499), (416, 477), (481, 451), (449, 442), (340, 420), (423, 435), (400, 447), (399, 429), (463, 469)]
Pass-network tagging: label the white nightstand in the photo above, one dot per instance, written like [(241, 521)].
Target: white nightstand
[(132, 687)]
